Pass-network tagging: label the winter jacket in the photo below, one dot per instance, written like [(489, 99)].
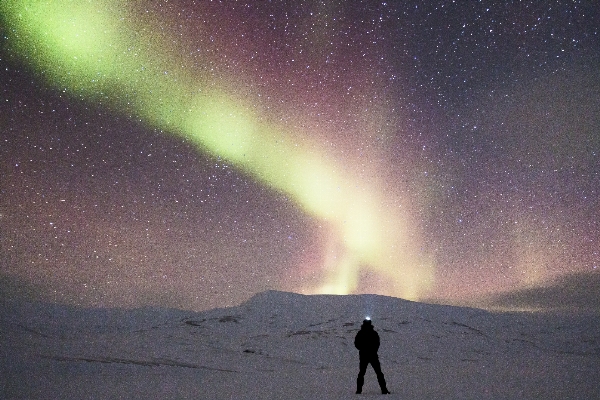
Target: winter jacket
[(367, 340)]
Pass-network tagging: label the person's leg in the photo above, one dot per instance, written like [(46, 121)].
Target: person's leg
[(361, 374), (380, 377)]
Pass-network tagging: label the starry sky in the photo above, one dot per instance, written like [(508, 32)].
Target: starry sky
[(192, 153)]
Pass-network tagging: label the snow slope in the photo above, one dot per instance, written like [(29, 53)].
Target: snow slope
[(281, 345)]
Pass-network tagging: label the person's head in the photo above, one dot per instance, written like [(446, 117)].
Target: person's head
[(367, 324)]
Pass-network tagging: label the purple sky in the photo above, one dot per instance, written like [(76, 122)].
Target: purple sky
[(481, 119)]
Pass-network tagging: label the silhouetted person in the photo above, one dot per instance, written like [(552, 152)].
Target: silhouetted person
[(367, 343)]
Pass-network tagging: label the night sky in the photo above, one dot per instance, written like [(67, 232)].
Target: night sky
[(191, 154)]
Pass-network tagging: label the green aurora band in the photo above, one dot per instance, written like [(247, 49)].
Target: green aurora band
[(93, 51)]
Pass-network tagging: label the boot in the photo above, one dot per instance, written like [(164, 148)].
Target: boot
[(382, 385), (359, 385)]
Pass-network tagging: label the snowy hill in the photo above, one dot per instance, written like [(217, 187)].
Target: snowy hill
[(287, 346)]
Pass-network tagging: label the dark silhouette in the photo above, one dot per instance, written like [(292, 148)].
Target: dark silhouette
[(367, 343)]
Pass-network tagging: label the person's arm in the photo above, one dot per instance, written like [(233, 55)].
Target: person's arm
[(358, 341)]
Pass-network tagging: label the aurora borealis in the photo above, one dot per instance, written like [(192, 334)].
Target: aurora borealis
[(191, 154)]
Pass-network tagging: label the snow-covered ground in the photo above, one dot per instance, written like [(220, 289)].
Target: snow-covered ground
[(288, 346)]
